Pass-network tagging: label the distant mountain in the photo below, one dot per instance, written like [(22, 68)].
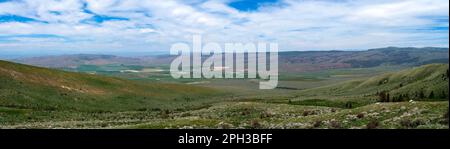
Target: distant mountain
[(298, 61), (399, 56), (319, 60), (73, 61), (70, 61), (31, 87)]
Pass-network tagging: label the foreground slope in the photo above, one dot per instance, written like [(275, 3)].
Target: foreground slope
[(29, 87), (254, 115)]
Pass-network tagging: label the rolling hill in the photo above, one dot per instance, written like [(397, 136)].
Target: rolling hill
[(29, 87), (427, 82)]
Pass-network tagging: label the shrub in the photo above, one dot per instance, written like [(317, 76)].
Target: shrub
[(255, 124), (373, 124), (360, 115), (317, 124), (333, 110), (306, 113), (418, 122), (245, 112), (165, 113), (223, 125), (335, 125), (265, 114), (407, 123)]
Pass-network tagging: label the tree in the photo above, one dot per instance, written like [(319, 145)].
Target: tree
[(382, 96), (387, 97), (443, 95), (406, 96), (421, 94), (348, 105), (399, 98), (431, 96)]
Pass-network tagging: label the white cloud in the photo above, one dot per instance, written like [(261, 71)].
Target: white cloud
[(295, 25)]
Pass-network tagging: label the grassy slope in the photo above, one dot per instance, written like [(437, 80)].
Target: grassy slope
[(424, 79), (30, 87)]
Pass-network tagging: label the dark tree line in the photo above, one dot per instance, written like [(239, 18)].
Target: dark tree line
[(384, 96)]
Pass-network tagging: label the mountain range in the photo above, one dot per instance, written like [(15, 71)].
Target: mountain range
[(298, 61)]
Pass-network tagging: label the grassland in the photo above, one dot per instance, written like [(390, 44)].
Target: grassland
[(37, 88), (146, 97), (242, 115)]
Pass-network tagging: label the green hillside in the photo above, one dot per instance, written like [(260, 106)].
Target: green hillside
[(29, 87), (427, 82)]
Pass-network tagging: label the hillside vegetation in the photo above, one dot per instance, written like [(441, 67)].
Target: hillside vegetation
[(30, 87), (426, 79), (424, 83)]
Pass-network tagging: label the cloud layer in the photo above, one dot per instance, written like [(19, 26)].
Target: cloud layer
[(135, 25)]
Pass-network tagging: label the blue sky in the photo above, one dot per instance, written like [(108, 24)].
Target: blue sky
[(106, 26), (251, 5)]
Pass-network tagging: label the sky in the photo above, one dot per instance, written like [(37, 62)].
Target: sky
[(154, 25)]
